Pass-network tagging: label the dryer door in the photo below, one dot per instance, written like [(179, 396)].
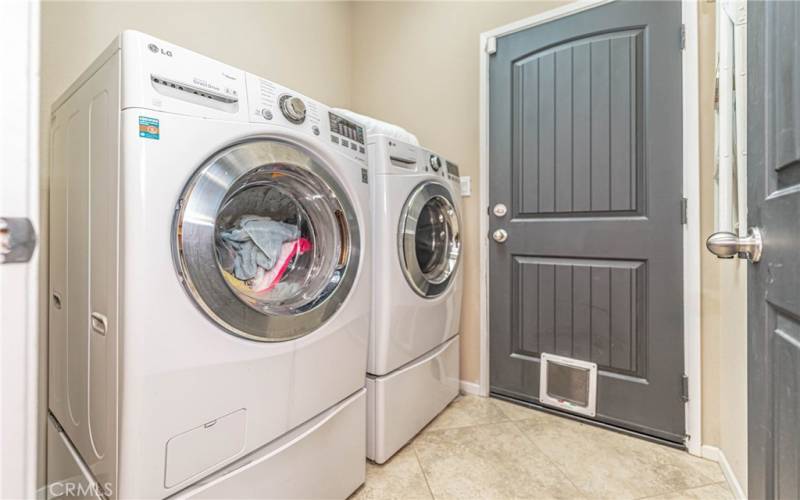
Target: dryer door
[(429, 239), (266, 240)]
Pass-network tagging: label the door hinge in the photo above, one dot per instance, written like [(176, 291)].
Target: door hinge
[(685, 388), (683, 36), (491, 45), (684, 211)]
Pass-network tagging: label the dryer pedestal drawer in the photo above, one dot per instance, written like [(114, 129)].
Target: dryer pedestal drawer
[(401, 403)]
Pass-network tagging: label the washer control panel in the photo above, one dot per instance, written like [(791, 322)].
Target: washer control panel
[(435, 162), (293, 108), (346, 134), (274, 104)]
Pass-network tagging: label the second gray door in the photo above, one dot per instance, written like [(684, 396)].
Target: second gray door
[(586, 153), (773, 284)]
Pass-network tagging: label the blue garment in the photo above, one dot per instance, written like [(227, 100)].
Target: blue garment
[(254, 242)]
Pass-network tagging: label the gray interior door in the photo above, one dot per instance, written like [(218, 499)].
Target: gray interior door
[(586, 153), (773, 176)]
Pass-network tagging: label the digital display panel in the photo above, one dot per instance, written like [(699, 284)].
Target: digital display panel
[(346, 128), (452, 169)]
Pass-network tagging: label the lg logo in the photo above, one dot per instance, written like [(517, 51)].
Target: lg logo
[(155, 50)]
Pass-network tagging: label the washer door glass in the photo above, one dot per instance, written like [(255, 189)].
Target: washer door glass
[(266, 240), (430, 239)]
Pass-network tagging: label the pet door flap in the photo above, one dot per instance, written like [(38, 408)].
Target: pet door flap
[(568, 384)]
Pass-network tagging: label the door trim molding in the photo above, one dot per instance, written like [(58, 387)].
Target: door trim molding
[(21, 431), (691, 190), (691, 231)]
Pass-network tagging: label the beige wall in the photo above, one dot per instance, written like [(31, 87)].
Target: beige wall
[(416, 64), (733, 366), (724, 296), (709, 264)]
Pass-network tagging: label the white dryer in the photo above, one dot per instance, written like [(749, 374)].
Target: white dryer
[(413, 368), (170, 373)]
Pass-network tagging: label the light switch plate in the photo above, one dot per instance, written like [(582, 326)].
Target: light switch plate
[(466, 185)]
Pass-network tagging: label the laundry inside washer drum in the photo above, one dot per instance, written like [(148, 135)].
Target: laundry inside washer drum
[(254, 242), (258, 250)]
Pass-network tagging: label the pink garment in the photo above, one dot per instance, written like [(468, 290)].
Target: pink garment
[(264, 280)]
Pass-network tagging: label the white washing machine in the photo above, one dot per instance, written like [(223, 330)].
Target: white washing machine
[(174, 372), (413, 368)]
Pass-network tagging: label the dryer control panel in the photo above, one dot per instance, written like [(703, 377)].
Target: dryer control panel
[(407, 158), (436, 165)]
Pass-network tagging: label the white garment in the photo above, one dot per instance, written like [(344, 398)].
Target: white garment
[(375, 127)]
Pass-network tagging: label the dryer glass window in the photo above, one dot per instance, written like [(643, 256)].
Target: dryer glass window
[(266, 240), (433, 235), (429, 239)]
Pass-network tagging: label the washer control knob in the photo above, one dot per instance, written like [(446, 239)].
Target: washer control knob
[(435, 163), (267, 114), (293, 108)]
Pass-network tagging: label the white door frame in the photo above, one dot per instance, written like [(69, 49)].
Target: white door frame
[(691, 190), (19, 197)]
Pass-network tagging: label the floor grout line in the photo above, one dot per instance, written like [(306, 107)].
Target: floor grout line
[(672, 492), (422, 469), (425, 431), (547, 457)]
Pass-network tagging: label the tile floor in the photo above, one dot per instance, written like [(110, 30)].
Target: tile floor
[(490, 449)]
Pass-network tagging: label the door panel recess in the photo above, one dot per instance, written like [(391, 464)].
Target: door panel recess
[(578, 127)]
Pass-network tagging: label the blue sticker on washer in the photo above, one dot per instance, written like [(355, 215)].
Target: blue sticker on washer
[(148, 128)]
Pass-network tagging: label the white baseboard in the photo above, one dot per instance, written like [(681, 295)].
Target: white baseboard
[(715, 454), (470, 388)]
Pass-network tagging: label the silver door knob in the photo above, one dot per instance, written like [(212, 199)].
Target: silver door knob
[(17, 240), (726, 245), (500, 236)]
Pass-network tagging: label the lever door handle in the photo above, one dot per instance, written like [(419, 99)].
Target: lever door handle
[(727, 245)]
